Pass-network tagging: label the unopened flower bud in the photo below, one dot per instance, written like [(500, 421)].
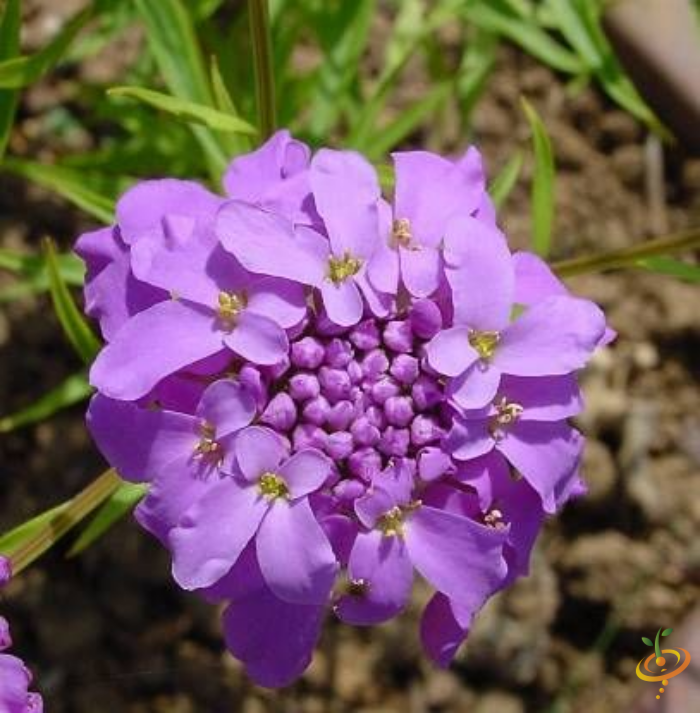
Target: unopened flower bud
[(426, 319), (364, 433), (395, 441), (365, 463), (365, 335), (426, 393), (338, 353), (398, 336), (404, 368), (341, 415), (303, 387), (308, 353), (374, 364), (398, 410), (339, 445), (384, 389), (316, 410), (281, 413), (335, 383), (425, 430)]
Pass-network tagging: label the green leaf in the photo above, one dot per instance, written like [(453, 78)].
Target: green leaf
[(68, 183), (387, 137), (666, 632), (74, 325), (120, 503), (23, 71), (44, 531), (187, 110), (505, 181), (173, 42), (648, 642), (674, 268), (573, 27), (71, 391), (261, 41), (497, 17), (237, 143), (18, 536), (542, 194), (9, 48), (30, 271)]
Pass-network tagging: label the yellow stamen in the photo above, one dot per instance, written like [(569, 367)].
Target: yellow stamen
[(208, 447), (485, 343), (401, 233), (272, 486), (341, 268), (231, 304), (494, 519), (507, 412)]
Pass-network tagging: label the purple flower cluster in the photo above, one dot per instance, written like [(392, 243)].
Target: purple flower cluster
[(15, 678), (328, 393)]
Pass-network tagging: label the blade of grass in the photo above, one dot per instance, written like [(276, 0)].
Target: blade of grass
[(237, 143), (674, 268), (72, 391), (173, 42), (62, 520), (389, 136), (13, 540), (30, 267), (74, 325), (9, 48), (628, 257), (22, 71), (497, 17), (70, 184), (505, 181), (542, 193), (259, 18), (186, 110), (120, 503)]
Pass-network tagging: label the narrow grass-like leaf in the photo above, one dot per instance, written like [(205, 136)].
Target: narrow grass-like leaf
[(187, 110), (390, 135), (14, 539), (71, 391), (173, 41), (235, 143), (57, 522), (496, 17), (30, 271), (23, 71), (261, 41), (542, 194), (74, 325), (674, 268), (122, 501), (69, 184), (573, 27), (505, 181), (9, 48)]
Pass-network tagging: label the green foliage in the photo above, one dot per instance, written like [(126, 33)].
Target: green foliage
[(119, 504), (673, 268), (505, 181), (648, 642), (9, 48), (666, 632), (71, 318), (542, 195), (68, 393)]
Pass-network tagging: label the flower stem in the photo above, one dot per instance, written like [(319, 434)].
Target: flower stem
[(259, 17), (626, 257), (75, 510)]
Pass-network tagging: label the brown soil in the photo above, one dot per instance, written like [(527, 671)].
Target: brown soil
[(109, 632)]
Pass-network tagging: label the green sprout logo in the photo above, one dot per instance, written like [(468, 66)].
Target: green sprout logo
[(662, 673)]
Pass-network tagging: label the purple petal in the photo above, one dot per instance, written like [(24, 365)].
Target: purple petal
[(450, 353), (546, 454), (534, 280), (383, 269), (459, 557), (258, 450), (266, 243), (552, 337), (343, 302), (385, 571), (469, 439), (476, 387), (346, 193), (257, 339), (15, 679), (281, 301), (274, 639), (214, 531), (141, 209), (142, 352), (430, 190), (373, 504), (380, 304), (227, 405), (482, 279), (421, 270), (305, 472), (302, 569), (440, 631), (172, 491), (552, 398), (139, 442)]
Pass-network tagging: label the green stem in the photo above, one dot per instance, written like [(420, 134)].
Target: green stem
[(259, 16), (76, 510), (625, 257), (657, 648)]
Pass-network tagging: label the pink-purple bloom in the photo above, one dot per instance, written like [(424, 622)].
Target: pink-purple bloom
[(15, 678), (330, 395)]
